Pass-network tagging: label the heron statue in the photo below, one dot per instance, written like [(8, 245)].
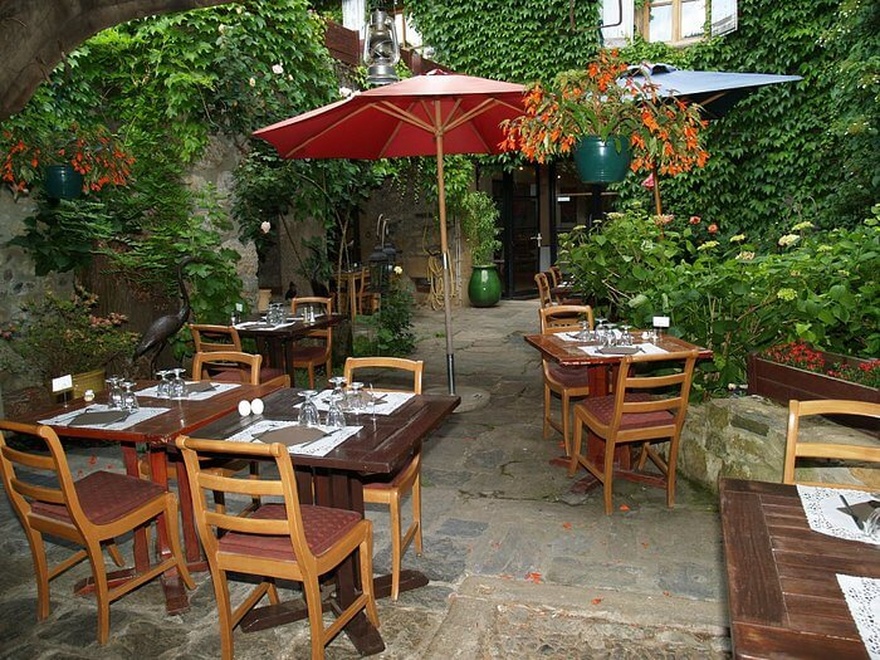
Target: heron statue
[(163, 328)]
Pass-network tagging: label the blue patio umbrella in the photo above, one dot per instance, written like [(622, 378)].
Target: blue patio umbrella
[(716, 92)]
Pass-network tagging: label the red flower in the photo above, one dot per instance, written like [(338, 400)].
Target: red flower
[(712, 229)]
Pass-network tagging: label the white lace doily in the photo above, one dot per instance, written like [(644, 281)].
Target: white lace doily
[(825, 512), (141, 415), (217, 388), (320, 447), (863, 599)]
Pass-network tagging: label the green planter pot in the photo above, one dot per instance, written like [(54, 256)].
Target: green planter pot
[(62, 182), (599, 161), (484, 287)]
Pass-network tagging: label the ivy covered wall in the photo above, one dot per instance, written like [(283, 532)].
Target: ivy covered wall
[(806, 150)]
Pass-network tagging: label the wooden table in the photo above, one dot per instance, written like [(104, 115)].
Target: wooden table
[(782, 588), (276, 344), (158, 433), (383, 446)]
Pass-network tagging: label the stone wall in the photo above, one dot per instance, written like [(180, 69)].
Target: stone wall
[(745, 437)]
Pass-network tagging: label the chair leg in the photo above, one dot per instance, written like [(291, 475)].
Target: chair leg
[(173, 533), (417, 511), (671, 462), (316, 619), (224, 612), (102, 596), (396, 543), (566, 422), (609, 476), (41, 572), (311, 369), (546, 411), (576, 449), (113, 550), (365, 559)]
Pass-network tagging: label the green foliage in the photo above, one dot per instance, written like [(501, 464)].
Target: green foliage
[(479, 224), (64, 336), (392, 324), (734, 294)]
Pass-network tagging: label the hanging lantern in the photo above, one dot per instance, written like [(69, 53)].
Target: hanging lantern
[(379, 270), (381, 48)]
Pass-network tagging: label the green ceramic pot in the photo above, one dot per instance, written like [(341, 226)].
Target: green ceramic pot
[(62, 182), (484, 287), (600, 161)]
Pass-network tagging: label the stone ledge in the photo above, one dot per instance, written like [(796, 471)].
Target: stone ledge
[(745, 437)]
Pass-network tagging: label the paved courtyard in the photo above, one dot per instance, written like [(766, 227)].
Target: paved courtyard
[(523, 563)]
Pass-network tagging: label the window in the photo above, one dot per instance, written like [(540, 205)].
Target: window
[(673, 21)]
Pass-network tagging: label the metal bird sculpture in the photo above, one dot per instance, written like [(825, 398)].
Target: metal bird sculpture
[(163, 328)]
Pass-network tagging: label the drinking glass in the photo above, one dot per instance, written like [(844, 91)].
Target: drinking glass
[(356, 397), (872, 525), (585, 333), (308, 411), (114, 392), (163, 389), (129, 398), (625, 336), (177, 389), (338, 393), (335, 416)]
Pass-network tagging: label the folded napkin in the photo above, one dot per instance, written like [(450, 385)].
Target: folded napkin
[(98, 418), (203, 386), (292, 436), (619, 350)]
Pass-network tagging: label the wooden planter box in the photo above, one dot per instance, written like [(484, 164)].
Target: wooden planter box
[(781, 382)]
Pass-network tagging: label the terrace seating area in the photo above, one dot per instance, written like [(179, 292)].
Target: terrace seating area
[(521, 561)]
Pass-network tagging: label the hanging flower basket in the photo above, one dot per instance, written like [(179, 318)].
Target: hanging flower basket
[(62, 182), (602, 161)]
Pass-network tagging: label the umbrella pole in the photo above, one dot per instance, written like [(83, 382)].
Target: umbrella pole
[(444, 248)]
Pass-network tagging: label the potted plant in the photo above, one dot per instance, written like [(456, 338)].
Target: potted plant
[(609, 121), (59, 336), (479, 224), (796, 370), (68, 162)]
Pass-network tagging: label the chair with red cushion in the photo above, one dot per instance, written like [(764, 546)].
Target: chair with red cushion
[(222, 338), (317, 350), (649, 405), (566, 382), (90, 512), (279, 541)]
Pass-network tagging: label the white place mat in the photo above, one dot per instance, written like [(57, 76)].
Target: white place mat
[(386, 404), (825, 512), (320, 447), (218, 388), (142, 415), (263, 325), (646, 348), (863, 599)]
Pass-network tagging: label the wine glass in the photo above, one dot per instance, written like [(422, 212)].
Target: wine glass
[(335, 416), (356, 398), (114, 394), (338, 383), (129, 398), (308, 411), (625, 336), (177, 388), (163, 389)]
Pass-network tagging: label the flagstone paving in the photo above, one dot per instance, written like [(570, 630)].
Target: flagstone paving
[(523, 562)]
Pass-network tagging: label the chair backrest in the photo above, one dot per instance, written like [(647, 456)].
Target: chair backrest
[(37, 475), (564, 318), (555, 275), (316, 301), (247, 364), (544, 294), (796, 448), (651, 395), (415, 367), (212, 523), (207, 338)]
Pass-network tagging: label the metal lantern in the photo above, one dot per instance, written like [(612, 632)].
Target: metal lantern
[(379, 269), (381, 48)]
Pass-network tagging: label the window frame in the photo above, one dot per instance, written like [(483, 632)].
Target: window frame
[(643, 20)]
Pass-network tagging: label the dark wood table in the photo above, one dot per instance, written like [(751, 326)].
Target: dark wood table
[(276, 344), (783, 593), (600, 376), (383, 446), (157, 434)]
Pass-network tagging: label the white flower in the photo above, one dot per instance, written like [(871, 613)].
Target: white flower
[(739, 238), (345, 92), (745, 256), (252, 82), (277, 69), (788, 239), (266, 226), (398, 270)]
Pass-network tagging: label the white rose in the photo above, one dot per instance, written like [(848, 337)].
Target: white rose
[(277, 69), (266, 226)]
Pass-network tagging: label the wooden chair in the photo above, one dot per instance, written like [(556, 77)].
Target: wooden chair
[(367, 300), (223, 338), (90, 512), (283, 540), (406, 480), (796, 448), (566, 382), (227, 366), (555, 274), (309, 356), (544, 295), (644, 408)]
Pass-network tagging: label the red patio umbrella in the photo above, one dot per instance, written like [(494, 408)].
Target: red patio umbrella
[(434, 114)]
